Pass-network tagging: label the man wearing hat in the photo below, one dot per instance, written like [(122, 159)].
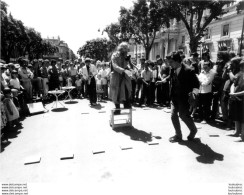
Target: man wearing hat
[(89, 71), (183, 82)]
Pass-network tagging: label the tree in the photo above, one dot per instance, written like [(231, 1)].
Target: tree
[(191, 13), (143, 21), (17, 40), (114, 33), (96, 48)]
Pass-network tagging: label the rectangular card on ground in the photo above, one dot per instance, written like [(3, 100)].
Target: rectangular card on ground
[(213, 135), (153, 143), (67, 156), (32, 160), (126, 147), (98, 151)]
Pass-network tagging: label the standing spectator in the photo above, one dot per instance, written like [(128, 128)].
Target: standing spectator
[(44, 75), (89, 72), (12, 112), (53, 76), (154, 69), (165, 75), (36, 80), (147, 77), (99, 88), (78, 84), (223, 61), (72, 73), (230, 70), (237, 102), (183, 82), (139, 79), (25, 77), (205, 92), (104, 76)]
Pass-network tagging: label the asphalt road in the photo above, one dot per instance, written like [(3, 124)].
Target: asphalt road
[(136, 160)]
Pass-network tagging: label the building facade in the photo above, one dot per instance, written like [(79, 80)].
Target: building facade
[(222, 34), (63, 50)]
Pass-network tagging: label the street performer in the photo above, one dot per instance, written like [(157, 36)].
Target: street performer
[(120, 83)]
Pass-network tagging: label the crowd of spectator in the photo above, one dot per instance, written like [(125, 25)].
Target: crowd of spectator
[(220, 94)]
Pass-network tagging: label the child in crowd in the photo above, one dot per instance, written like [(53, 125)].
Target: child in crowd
[(12, 112), (78, 84), (104, 76), (99, 87), (14, 82), (69, 82)]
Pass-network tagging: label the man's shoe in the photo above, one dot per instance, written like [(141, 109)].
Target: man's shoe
[(175, 139)]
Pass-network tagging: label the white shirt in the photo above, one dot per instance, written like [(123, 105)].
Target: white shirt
[(84, 72), (103, 75), (78, 82), (205, 79), (15, 83)]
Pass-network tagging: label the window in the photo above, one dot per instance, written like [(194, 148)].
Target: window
[(183, 40), (225, 31), (208, 33)]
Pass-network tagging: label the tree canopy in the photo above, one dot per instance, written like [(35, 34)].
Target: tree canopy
[(143, 21), (98, 49), (191, 13), (18, 40)]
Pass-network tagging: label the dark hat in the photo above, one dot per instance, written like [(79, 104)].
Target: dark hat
[(87, 60), (176, 56), (14, 72)]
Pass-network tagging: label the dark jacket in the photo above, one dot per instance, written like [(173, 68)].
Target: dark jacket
[(183, 83)]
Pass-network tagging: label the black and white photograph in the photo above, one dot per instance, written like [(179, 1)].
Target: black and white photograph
[(122, 97)]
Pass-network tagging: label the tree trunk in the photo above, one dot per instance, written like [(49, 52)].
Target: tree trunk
[(147, 50), (194, 43)]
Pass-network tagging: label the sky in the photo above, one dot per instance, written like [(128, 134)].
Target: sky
[(75, 21)]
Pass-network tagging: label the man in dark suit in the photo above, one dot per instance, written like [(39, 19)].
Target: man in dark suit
[(183, 83)]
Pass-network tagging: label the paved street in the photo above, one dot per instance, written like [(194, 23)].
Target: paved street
[(137, 155)]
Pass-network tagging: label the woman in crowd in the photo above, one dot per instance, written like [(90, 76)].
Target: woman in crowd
[(237, 102)]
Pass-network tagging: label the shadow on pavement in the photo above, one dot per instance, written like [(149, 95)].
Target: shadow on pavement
[(10, 134), (206, 154), (71, 102), (59, 109), (135, 134), (97, 107)]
